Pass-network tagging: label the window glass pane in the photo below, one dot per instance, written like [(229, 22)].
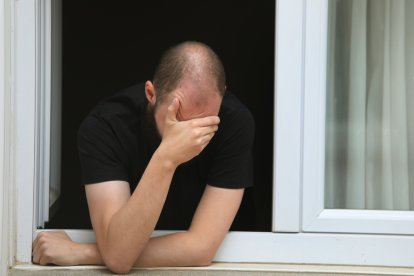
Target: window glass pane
[(369, 111)]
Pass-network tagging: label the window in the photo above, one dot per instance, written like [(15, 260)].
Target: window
[(303, 208), (356, 136), (108, 47)]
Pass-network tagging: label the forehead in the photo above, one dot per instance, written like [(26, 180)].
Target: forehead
[(192, 111), (197, 101)]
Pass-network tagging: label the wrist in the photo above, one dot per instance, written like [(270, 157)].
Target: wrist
[(162, 157), (88, 254)]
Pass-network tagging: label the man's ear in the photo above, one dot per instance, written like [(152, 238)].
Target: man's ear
[(150, 93)]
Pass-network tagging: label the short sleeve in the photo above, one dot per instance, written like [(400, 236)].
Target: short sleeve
[(100, 152), (232, 164)]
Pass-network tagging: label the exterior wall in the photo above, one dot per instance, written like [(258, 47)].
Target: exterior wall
[(7, 240)]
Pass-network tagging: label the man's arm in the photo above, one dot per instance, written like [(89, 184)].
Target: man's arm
[(123, 222), (195, 247)]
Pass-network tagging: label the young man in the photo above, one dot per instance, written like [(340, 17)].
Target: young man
[(173, 153)]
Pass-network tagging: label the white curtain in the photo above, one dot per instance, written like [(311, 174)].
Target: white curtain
[(370, 105)]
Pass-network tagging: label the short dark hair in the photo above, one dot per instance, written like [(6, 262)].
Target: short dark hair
[(176, 64)]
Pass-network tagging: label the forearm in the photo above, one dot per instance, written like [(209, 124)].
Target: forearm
[(88, 254), (178, 249), (130, 228)]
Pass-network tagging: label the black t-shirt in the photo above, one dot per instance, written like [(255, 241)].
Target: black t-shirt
[(118, 138)]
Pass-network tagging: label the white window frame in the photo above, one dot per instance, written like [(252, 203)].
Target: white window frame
[(48, 108), (315, 217), (24, 110), (43, 112), (288, 102), (275, 247)]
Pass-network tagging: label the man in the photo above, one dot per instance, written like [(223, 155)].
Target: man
[(175, 151)]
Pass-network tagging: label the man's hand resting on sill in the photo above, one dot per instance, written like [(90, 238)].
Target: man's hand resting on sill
[(55, 247)]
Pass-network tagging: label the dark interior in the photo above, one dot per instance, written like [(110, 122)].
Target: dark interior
[(109, 45)]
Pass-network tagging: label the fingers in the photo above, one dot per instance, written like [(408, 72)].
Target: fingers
[(202, 131), (173, 110), (39, 245), (206, 139), (35, 256), (44, 260), (41, 242), (205, 134), (35, 241), (35, 249), (205, 121)]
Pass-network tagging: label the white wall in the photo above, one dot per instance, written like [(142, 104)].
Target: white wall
[(7, 241), (3, 249)]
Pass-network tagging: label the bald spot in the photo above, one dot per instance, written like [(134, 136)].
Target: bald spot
[(199, 71)]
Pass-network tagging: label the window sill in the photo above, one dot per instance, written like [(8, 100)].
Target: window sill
[(216, 269)]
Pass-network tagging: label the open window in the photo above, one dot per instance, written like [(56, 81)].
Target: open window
[(107, 47)]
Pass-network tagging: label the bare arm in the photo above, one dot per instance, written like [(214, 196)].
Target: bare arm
[(123, 222), (195, 247)]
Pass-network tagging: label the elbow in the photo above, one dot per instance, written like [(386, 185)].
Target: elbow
[(204, 256), (119, 259), (203, 262), (117, 262), (118, 267)]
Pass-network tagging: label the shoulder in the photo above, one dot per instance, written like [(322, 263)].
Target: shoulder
[(115, 124), (124, 107), (107, 138), (126, 101)]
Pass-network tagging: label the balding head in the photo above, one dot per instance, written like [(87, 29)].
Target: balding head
[(189, 61)]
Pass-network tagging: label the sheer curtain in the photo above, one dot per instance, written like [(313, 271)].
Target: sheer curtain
[(370, 105)]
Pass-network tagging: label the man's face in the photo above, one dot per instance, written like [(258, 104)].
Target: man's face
[(196, 101)]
